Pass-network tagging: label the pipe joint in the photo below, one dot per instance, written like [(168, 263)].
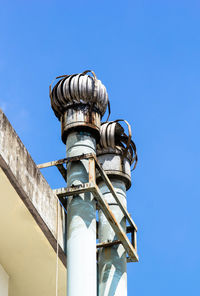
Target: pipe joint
[(80, 118)]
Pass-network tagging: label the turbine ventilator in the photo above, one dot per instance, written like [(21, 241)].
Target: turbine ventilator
[(79, 100)]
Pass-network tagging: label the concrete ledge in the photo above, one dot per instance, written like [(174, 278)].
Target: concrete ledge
[(30, 185)]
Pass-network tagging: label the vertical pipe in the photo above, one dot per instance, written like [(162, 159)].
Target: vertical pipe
[(81, 221), (112, 260)]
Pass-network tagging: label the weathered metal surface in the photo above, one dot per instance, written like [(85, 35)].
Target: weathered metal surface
[(90, 187), (62, 170), (51, 163), (111, 188), (65, 160), (108, 244), (91, 171), (115, 257), (108, 134), (113, 165), (74, 190), (134, 239), (81, 218), (80, 117), (113, 136), (116, 152), (61, 192), (78, 89), (115, 225)]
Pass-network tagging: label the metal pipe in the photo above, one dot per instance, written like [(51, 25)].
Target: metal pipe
[(112, 260), (116, 152), (79, 101), (81, 221)]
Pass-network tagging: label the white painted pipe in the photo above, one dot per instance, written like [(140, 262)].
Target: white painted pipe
[(112, 260), (81, 221)]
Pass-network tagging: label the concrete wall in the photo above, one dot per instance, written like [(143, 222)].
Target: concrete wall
[(4, 280), (30, 184)]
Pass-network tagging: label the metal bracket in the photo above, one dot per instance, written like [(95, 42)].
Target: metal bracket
[(91, 186)]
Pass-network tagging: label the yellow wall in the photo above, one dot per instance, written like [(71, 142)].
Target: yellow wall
[(4, 279), (25, 252)]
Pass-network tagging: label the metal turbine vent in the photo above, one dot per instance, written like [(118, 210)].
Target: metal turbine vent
[(79, 89), (113, 137)]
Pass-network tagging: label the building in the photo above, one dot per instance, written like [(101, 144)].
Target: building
[(29, 211)]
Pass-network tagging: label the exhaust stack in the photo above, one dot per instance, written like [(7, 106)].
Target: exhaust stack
[(116, 153), (79, 101), (99, 160)]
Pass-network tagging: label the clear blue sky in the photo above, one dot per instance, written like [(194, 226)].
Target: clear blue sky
[(147, 53)]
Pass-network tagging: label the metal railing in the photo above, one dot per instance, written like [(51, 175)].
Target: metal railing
[(91, 186)]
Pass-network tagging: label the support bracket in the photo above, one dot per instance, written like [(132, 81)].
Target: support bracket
[(91, 186)]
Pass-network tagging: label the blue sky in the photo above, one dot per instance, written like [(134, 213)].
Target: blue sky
[(147, 53)]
